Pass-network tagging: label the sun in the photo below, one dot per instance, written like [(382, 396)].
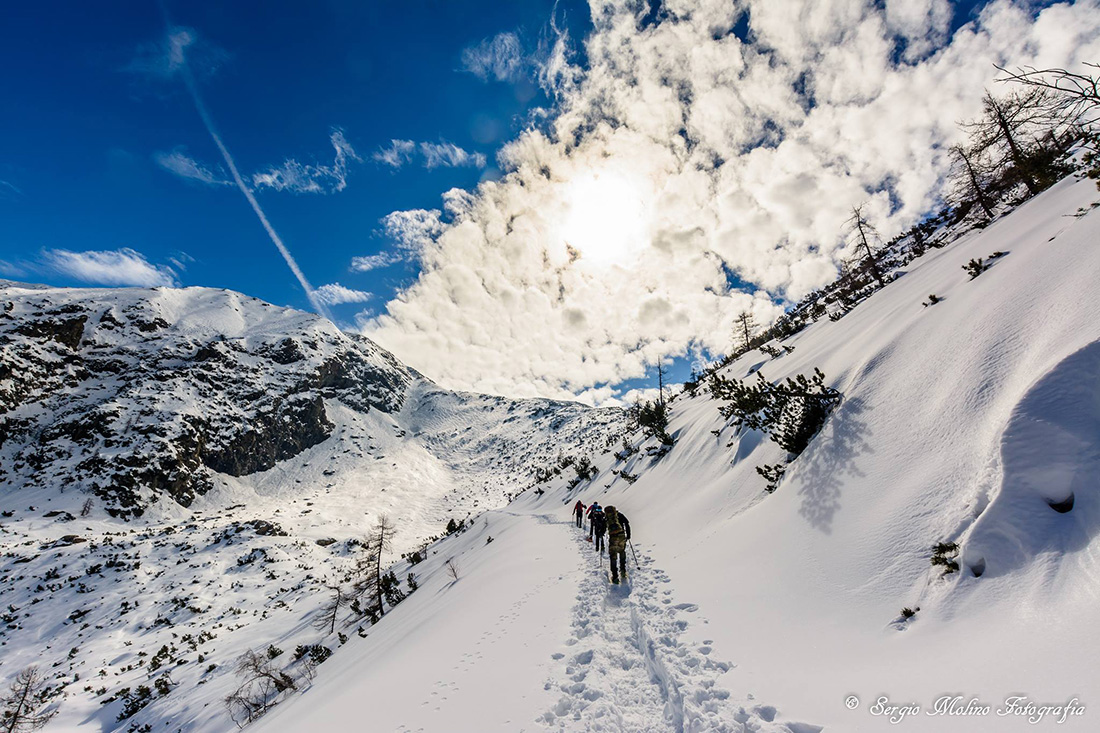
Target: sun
[(606, 220)]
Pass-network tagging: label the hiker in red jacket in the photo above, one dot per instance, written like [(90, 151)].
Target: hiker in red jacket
[(578, 509)]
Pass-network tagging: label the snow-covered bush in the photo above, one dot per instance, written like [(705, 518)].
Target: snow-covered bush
[(773, 475), (974, 268), (944, 554)]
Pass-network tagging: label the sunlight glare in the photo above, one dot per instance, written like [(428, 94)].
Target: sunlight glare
[(606, 219)]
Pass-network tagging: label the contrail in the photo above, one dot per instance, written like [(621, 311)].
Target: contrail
[(192, 88)]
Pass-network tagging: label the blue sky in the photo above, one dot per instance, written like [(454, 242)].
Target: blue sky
[(664, 170), (85, 126)]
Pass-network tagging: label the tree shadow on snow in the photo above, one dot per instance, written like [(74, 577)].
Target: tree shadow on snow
[(830, 459)]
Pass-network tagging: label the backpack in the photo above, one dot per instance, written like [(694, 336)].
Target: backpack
[(613, 524)]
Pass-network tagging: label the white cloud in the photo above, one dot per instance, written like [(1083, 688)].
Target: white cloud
[(299, 178), (557, 75), (367, 263), (413, 230), (448, 155), (109, 267), (181, 260), (922, 23), (337, 294), (681, 153), (397, 154), (410, 231), (431, 155), (500, 57), (8, 269), (186, 167)]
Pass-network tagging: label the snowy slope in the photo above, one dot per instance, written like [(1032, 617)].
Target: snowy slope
[(970, 421), (181, 470)]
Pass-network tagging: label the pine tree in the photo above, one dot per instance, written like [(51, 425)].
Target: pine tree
[(773, 474), (974, 268), (791, 413), (1074, 97), (653, 419), (391, 589), (262, 683), (806, 406)]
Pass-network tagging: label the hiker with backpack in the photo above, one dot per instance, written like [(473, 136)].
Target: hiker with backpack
[(618, 534), (599, 527), (578, 510), (595, 507)]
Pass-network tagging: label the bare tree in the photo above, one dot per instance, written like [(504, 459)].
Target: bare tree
[(743, 326), (331, 609), (860, 234), (369, 568), (1007, 130), (1072, 102), (661, 381), (309, 668), (23, 705), (967, 179), (1074, 98), (261, 685), (452, 567)]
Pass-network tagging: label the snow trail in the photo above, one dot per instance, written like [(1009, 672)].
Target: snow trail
[(627, 667), (607, 684)]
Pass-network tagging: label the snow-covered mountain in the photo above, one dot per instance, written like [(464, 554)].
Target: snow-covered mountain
[(137, 395), (194, 462), (132, 396)]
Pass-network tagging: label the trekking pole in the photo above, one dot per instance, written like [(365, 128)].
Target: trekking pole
[(636, 563)]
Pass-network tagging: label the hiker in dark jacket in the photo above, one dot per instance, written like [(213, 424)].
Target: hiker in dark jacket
[(592, 509), (618, 534), (578, 510), (599, 527)]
